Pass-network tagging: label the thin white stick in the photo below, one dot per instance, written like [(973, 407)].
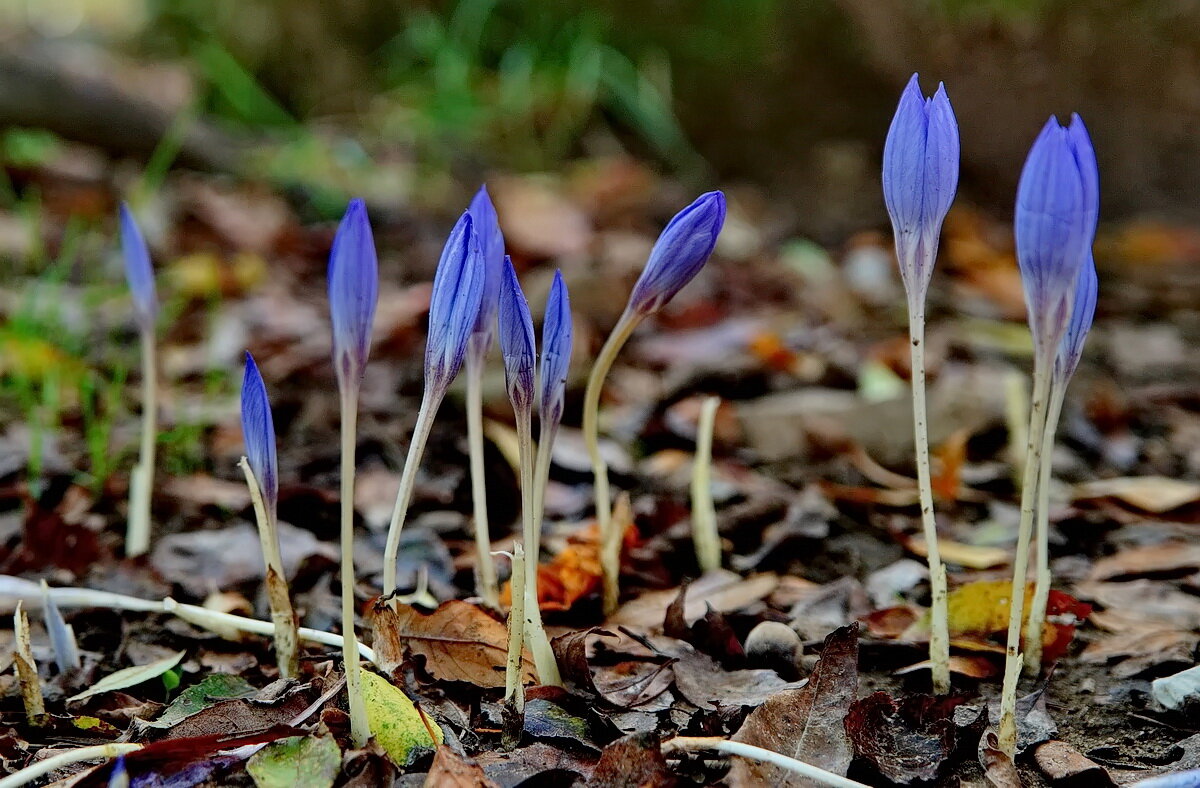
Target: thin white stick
[(591, 435), (535, 633), (360, 729), (44, 767), (224, 624), (1007, 737), (704, 514), (141, 482), (939, 635), (699, 743), (430, 401), (488, 588), (1041, 588)]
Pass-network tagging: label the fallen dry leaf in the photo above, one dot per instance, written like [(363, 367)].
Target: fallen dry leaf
[(1155, 494), (806, 723), (458, 641), (998, 768), (451, 770), (905, 741), (970, 556), (704, 683), (633, 761), (722, 590), (1061, 763), (1152, 559)]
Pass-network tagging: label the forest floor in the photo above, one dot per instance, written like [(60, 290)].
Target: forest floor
[(812, 479)]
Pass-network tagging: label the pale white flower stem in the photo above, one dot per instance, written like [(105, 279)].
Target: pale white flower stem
[(939, 637), (141, 483), (591, 435), (360, 729), (487, 589), (1013, 661), (704, 514), (535, 633), (1041, 588), (514, 690), (430, 401), (286, 650)]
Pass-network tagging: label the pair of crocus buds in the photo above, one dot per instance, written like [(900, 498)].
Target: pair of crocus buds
[(1058, 205), (681, 250)]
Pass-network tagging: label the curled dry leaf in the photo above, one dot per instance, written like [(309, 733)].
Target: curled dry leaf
[(458, 641), (1062, 763), (905, 741), (806, 723), (451, 770)]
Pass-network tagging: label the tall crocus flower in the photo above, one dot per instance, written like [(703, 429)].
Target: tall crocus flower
[(920, 176), (491, 244), (1066, 359), (140, 275), (453, 311), (262, 475), (520, 369), (353, 293), (684, 246), (1058, 200)]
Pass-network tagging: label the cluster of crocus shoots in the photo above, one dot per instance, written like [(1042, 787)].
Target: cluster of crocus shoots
[(1055, 225)]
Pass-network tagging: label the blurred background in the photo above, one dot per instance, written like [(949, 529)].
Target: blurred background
[(393, 99)]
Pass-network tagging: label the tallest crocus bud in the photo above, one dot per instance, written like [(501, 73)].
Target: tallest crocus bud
[(353, 292), (920, 177), (491, 247), (680, 252), (454, 304), (1058, 202)]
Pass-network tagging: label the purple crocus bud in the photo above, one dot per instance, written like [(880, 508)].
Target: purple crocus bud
[(454, 304), (258, 432), (1083, 311), (556, 351), (491, 244), (920, 177), (516, 340), (353, 291), (679, 253), (138, 270), (1057, 207)]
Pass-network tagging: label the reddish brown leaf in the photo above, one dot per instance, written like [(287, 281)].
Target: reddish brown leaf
[(806, 723), (905, 741), (1062, 763), (451, 770), (634, 761)]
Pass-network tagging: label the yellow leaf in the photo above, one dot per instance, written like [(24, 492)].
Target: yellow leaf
[(395, 721)]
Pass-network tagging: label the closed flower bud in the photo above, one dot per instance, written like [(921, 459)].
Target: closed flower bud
[(920, 177), (1083, 311), (454, 304), (353, 291), (516, 340), (258, 432), (1057, 208), (680, 252), (491, 245), (556, 351), (138, 271)]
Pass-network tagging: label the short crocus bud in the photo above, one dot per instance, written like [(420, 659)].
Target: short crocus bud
[(680, 252), (920, 177), (516, 340), (353, 291), (1083, 311), (556, 351), (454, 304), (258, 432), (491, 245), (138, 271), (1057, 207)]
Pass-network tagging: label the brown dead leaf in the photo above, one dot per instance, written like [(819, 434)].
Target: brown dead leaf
[(1139, 648), (704, 683), (451, 770), (1061, 763), (970, 556), (905, 741), (1155, 494), (724, 591), (806, 723), (998, 768), (1153, 559), (951, 457), (633, 761), (459, 642), (1145, 600), (971, 667)]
